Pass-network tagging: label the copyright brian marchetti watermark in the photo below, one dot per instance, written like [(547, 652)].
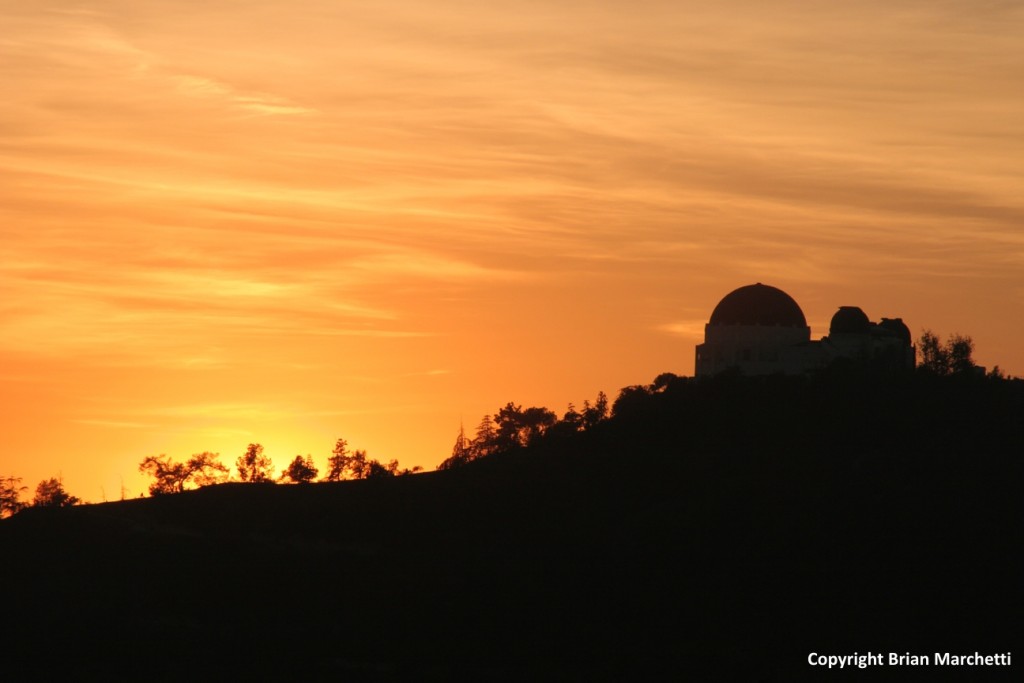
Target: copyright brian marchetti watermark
[(863, 661)]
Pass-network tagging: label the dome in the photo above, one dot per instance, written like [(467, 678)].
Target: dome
[(850, 320), (897, 327), (758, 305)]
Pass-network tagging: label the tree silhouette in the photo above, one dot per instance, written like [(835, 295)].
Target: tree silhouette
[(485, 440), (358, 465), (50, 493), (377, 470), (343, 464), (663, 382), (337, 462), (253, 466), (955, 357), (301, 470), (570, 424), (632, 399), (593, 414), (517, 427), (961, 351), (10, 496), (206, 469), (462, 452), (173, 477), (394, 468)]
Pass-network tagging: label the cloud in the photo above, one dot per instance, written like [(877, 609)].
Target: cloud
[(474, 148), (258, 103), (218, 411), (689, 329), (71, 303), (421, 264), (113, 424)]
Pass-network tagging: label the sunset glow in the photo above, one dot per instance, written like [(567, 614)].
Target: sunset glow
[(286, 223)]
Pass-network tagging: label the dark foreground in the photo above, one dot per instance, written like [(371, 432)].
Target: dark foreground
[(696, 536)]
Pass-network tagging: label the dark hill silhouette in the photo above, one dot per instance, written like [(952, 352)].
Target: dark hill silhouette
[(712, 530)]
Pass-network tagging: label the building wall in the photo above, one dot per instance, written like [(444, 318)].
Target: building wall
[(766, 350), (754, 349)]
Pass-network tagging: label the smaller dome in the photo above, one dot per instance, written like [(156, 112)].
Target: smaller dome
[(758, 305), (897, 327), (849, 320)]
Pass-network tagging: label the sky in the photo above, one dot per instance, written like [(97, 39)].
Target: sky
[(288, 223)]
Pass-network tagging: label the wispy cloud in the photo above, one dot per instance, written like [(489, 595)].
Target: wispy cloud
[(113, 424), (218, 411), (690, 329), (258, 103)]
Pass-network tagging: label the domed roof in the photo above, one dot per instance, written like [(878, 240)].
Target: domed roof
[(850, 320), (897, 327), (758, 305)]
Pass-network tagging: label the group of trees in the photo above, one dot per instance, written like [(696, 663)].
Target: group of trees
[(954, 357), (201, 469), (253, 466), (205, 469), (512, 427), (515, 427), (343, 464), (49, 493)]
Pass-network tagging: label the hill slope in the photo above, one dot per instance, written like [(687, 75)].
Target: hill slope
[(709, 530)]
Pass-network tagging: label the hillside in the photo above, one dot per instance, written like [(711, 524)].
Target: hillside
[(709, 530)]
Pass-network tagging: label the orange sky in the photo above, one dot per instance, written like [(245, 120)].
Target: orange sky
[(292, 222)]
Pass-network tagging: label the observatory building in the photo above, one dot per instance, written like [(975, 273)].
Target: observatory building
[(760, 330)]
